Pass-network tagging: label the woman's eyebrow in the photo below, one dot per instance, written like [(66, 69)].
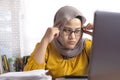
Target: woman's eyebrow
[(67, 27), (71, 28), (77, 28)]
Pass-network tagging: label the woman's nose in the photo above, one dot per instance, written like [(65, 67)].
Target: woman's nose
[(72, 35)]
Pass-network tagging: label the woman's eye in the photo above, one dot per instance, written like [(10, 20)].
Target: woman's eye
[(77, 31), (66, 30)]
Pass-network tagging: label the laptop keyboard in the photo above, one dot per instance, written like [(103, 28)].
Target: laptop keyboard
[(73, 78)]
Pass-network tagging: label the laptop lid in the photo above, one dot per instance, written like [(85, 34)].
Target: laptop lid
[(105, 54)]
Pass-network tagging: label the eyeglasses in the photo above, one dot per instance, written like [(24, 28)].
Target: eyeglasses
[(69, 31)]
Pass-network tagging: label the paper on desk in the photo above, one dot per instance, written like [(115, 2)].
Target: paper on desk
[(26, 75)]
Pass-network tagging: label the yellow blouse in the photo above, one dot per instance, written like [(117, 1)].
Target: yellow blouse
[(58, 66)]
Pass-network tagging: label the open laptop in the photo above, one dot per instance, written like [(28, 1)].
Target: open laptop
[(105, 54)]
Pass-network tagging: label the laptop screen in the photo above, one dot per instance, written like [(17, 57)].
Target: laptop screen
[(105, 54)]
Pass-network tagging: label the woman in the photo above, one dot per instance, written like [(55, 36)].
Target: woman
[(62, 50)]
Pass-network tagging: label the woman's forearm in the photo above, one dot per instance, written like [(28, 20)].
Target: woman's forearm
[(39, 54), (48, 37)]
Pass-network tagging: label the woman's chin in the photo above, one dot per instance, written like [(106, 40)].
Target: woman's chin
[(71, 47)]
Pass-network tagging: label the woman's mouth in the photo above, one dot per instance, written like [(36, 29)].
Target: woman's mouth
[(71, 42)]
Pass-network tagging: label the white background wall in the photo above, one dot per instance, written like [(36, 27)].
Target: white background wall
[(39, 14)]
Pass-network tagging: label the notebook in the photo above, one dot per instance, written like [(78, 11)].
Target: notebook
[(26, 75), (105, 53)]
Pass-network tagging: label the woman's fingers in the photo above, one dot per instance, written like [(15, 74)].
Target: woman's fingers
[(87, 29)]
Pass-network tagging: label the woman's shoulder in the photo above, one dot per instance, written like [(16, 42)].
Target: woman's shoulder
[(88, 41), (88, 44)]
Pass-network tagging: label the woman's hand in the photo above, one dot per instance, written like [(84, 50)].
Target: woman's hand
[(87, 29), (51, 33)]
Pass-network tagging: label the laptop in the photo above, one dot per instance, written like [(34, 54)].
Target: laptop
[(105, 52)]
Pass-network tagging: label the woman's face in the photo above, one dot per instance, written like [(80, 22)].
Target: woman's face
[(71, 33)]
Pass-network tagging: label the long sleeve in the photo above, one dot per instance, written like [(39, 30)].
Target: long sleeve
[(32, 64)]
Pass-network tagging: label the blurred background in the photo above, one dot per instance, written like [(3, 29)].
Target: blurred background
[(24, 22)]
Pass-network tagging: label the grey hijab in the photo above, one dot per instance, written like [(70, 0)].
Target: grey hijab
[(63, 15)]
